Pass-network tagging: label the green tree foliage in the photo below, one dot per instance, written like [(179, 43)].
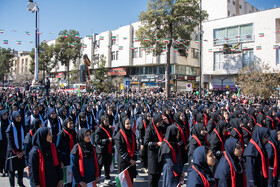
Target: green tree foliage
[(68, 48), (102, 82), (258, 82), (174, 20), (5, 62), (45, 62)]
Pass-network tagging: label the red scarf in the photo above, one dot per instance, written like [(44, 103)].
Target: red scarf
[(81, 163), (197, 140), (204, 180), (109, 144), (223, 149), (42, 178), (264, 166), (182, 134), (31, 133), (174, 159), (247, 130), (278, 119), (159, 135), (259, 125), (205, 119), (275, 166), (71, 140), (233, 175), (240, 138), (144, 123), (129, 150), (252, 118), (272, 122)]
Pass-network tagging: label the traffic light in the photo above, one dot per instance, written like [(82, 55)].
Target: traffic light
[(83, 73)]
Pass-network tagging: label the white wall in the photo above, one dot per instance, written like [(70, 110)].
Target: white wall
[(215, 8)]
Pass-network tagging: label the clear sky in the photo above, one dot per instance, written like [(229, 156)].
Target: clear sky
[(85, 16)]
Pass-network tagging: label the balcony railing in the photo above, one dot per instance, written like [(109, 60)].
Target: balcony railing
[(235, 39)]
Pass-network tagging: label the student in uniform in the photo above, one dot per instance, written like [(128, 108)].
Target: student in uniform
[(256, 158), (153, 139), (4, 123), (104, 147), (229, 171), (200, 174), (53, 123), (170, 157), (125, 141), (44, 166), (83, 160), (15, 150)]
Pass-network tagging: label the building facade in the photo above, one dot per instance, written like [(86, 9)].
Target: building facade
[(250, 39)]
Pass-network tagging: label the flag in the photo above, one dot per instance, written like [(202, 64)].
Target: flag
[(210, 50), (226, 39), (245, 48), (1, 31), (277, 31), (146, 39), (233, 49), (248, 36), (175, 50), (237, 36), (197, 41), (79, 92), (123, 179), (275, 46), (84, 46), (51, 32), (187, 40), (39, 33), (72, 45), (216, 39), (238, 94), (67, 175), (28, 33), (91, 184), (136, 39), (112, 166), (65, 36), (166, 40), (124, 38), (261, 34), (163, 49), (114, 38), (89, 37), (258, 47), (132, 47), (44, 41), (178, 41), (18, 42), (153, 49), (120, 47), (77, 36), (157, 40), (109, 46), (30, 42), (101, 38), (144, 48), (5, 41)]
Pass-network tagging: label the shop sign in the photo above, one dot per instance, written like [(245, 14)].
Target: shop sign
[(117, 71)]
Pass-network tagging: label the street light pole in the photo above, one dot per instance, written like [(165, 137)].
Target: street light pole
[(33, 7), (200, 48)]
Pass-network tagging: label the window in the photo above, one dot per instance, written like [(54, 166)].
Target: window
[(278, 56), (140, 52), (117, 55), (135, 53), (233, 2), (114, 40), (278, 30), (113, 56), (228, 1), (218, 61), (228, 13), (161, 70), (194, 53), (240, 6), (246, 32), (248, 58)]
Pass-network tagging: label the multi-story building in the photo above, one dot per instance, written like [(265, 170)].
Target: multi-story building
[(256, 37)]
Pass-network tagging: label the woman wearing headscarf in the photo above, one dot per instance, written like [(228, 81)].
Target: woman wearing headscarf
[(256, 158), (269, 120), (198, 139), (62, 113), (15, 149), (44, 166), (84, 162), (143, 148), (4, 123), (66, 139), (200, 174), (53, 123), (35, 125), (82, 122), (272, 149), (247, 131), (229, 171), (170, 157), (125, 141), (212, 122), (236, 130), (104, 147), (87, 109), (34, 115), (153, 139), (179, 119)]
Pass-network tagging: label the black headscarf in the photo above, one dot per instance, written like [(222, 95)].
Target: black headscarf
[(178, 120), (196, 130), (40, 141), (35, 125), (87, 148), (64, 125), (229, 148)]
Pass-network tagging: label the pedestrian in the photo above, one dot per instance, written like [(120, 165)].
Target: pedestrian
[(229, 171), (200, 174), (125, 141), (256, 158), (104, 147), (170, 157), (4, 123), (47, 86), (44, 166), (53, 123), (84, 162), (15, 150)]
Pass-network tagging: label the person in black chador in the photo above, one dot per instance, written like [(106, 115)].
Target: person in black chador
[(53, 123), (200, 174), (256, 158), (198, 139), (44, 166), (229, 171), (125, 141), (4, 123), (15, 150), (170, 157), (104, 147), (153, 139), (84, 162)]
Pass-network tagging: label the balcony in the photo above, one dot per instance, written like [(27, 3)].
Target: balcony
[(233, 40)]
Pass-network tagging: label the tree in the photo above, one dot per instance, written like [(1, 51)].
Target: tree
[(260, 82), (45, 62), (68, 48), (5, 62), (102, 81), (75, 74), (168, 20)]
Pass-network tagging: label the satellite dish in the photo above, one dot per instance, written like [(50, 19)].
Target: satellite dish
[(31, 6)]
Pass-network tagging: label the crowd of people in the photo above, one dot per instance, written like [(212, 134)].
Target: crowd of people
[(220, 139)]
